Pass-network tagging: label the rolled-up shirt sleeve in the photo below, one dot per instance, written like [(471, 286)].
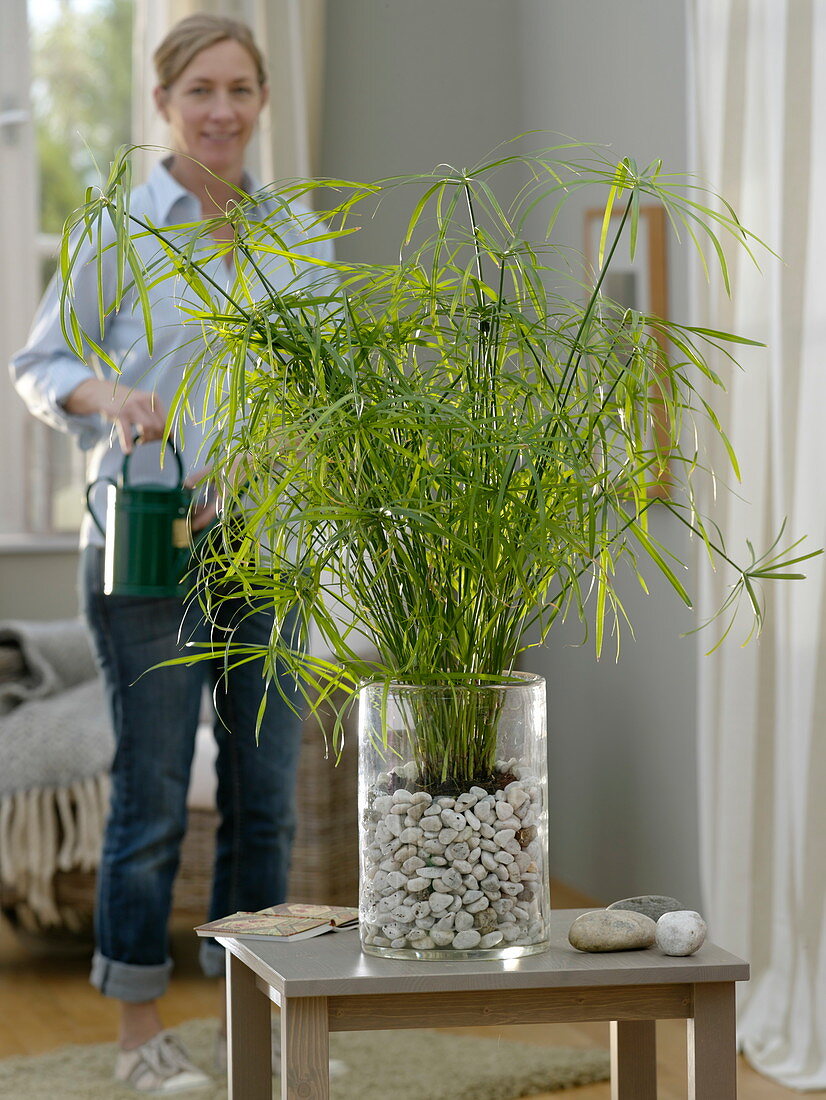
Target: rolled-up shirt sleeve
[(47, 370)]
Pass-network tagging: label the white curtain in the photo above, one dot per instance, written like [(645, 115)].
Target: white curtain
[(759, 100), (291, 34)]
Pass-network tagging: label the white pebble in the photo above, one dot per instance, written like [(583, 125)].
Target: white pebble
[(440, 902), (466, 941), (681, 932), (491, 939), (441, 937)]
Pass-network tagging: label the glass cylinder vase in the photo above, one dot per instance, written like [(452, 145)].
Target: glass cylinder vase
[(453, 799)]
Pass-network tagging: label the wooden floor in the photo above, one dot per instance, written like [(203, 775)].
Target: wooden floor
[(46, 1002)]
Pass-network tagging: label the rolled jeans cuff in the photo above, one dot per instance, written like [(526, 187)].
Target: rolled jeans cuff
[(127, 982)]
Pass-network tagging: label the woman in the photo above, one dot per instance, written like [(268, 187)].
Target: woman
[(211, 90)]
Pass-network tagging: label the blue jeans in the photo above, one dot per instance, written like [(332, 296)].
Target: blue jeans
[(155, 717)]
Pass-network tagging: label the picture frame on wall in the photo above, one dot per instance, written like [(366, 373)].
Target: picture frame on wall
[(640, 284)]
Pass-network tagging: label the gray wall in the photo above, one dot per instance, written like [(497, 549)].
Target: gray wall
[(413, 84), (37, 582), (621, 735)]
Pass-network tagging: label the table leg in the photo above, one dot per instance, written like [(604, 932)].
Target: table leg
[(305, 1049), (249, 1035), (633, 1060), (712, 1043)]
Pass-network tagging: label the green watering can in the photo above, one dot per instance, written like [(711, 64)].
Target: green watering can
[(148, 546)]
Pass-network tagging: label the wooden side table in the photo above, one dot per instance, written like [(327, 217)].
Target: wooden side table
[(326, 984)]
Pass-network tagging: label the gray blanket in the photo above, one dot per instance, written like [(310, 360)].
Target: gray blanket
[(56, 747), (55, 656)]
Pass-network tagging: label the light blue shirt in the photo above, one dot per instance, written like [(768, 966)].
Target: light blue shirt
[(46, 370)]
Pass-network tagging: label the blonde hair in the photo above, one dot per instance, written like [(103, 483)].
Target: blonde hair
[(195, 33)]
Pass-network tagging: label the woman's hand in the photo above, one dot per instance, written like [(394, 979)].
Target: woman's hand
[(134, 412), (206, 509)]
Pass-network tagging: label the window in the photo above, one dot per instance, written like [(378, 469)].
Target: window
[(65, 108)]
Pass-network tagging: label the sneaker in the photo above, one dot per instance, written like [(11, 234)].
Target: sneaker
[(160, 1066)]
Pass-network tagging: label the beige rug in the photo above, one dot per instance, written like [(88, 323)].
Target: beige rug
[(407, 1065)]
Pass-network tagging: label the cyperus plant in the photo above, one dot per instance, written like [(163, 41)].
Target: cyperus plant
[(455, 446)]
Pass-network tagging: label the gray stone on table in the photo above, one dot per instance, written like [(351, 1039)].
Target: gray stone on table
[(617, 930), (651, 905)]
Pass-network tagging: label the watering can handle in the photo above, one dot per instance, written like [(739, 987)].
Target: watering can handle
[(92, 512), (172, 447)]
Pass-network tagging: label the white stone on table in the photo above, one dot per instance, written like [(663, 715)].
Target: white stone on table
[(680, 932)]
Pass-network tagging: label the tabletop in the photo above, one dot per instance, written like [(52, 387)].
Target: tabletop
[(334, 965)]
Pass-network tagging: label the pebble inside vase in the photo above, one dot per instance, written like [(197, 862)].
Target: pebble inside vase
[(453, 869)]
